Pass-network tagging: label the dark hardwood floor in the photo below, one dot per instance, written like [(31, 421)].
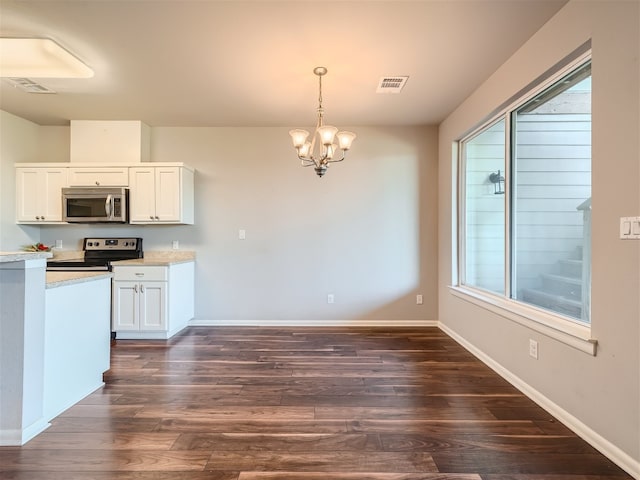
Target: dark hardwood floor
[(304, 404)]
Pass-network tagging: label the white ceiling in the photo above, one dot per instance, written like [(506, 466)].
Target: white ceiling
[(239, 63)]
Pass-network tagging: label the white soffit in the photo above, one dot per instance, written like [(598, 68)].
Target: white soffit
[(39, 58)]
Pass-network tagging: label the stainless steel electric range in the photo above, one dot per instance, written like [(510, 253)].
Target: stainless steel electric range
[(99, 253)]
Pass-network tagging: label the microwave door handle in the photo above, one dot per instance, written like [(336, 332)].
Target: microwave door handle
[(108, 205)]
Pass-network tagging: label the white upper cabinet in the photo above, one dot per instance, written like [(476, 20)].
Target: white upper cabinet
[(99, 177), (39, 194), (161, 195)]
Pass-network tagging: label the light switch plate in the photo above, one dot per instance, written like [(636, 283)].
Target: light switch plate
[(630, 228)]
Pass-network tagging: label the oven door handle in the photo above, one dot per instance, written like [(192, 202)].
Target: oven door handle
[(108, 206)]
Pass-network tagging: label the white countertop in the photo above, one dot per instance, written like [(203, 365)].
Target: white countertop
[(158, 258), (151, 257), (22, 256)]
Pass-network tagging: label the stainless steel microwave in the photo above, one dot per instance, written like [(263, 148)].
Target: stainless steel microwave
[(95, 205)]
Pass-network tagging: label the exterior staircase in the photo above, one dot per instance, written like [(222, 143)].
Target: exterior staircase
[(560, 291), (567, 290)]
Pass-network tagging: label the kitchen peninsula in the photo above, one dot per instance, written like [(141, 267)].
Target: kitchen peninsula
[(51, 356)]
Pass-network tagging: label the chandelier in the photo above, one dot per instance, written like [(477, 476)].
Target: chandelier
[(323, 152)]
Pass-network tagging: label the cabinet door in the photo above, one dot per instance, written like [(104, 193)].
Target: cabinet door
[(39, 194), (126, 306), (168, 195), (99, 177), (153, 306), (55, 181), (29, 185), (142, 195)]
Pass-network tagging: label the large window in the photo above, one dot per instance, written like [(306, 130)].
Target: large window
[(525, 196), (485, 209)]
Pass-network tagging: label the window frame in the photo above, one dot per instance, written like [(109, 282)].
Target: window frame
[(566, 329)]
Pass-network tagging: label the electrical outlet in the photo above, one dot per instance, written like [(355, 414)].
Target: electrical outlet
[(242, 234), (175, 244), (58, 243), (533, 349), (330, 298), (419, 299)]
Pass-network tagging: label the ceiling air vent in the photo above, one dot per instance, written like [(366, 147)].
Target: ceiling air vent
[(29, 85), (391, 84)]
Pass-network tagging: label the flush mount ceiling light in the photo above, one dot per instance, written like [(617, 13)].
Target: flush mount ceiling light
[(39, 58), (321, 154)]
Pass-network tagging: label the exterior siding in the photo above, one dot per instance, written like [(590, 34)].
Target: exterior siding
[(553, 178)]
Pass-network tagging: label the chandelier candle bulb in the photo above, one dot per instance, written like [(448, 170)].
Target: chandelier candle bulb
[(325, 152)]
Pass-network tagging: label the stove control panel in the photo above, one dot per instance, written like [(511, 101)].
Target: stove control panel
[(111, 243)]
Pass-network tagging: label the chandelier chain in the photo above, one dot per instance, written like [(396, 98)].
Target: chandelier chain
[(320, 110)]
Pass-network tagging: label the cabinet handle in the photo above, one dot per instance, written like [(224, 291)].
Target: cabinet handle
[(151, 217), (141, 288), (135, 288), (97, 183), (157, 218)]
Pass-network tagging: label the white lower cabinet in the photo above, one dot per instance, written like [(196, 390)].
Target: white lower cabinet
[(152, 301), (139, 306)]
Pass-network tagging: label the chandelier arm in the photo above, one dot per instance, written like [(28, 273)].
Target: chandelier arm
[(336, 161), (307, 162)]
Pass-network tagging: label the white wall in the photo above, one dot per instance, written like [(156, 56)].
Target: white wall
[(601, 392), (19, 141), (365, 232)]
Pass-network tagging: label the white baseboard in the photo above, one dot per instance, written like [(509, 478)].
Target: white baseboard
[(597, 441), (142, 336), (17, 437), (313, 323)]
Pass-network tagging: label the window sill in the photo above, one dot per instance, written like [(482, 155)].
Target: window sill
[(554, 326)]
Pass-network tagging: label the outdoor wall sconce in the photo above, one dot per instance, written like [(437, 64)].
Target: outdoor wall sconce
[(498, 183)]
